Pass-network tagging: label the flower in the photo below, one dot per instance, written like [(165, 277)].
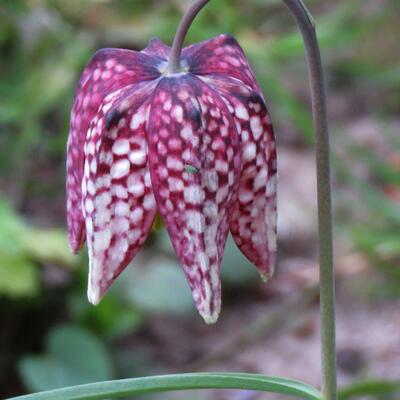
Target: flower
[(197, 146)]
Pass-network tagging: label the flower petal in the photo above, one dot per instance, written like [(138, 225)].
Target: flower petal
[(194, 163), (254, 220), (220, 55), (118, 201), (108, 71), (157, 48)]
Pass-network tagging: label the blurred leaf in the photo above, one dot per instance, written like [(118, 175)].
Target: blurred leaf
[(18, 276), (74, 356), (379, 389), (21, 248), (160, 286), (111, 318), (236, 269), (48, 245)]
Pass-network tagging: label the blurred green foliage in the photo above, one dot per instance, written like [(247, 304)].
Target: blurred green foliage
[(73, 356), (44, 45)]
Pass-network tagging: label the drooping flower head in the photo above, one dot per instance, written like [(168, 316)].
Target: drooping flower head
[(196, 146)]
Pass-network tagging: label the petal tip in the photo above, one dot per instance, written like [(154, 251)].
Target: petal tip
[(210, 318), (265, 277), (93, 294)]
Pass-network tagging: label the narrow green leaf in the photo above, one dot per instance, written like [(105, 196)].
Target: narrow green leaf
[(370, 388), (151, 384)]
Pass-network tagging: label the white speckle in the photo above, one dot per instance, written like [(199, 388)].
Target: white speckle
[(121, 209), (119, 68), (89, 225), (221, 166), (120, 191), (245, 136), (162, 172), (183, 95), (174, 144), (120, 169), (89, 206), (222, 193), (110, 63), (187, 155), (241, 112), (210, 209), (136, 215), (210, 180), (121, 225), (106, 75), (101, 240), (137, 119), (175, 184), (232, 60), (96, 74), (93, 166), (90, 148), (102, 217), (167, 105), (177, 113), (103, 200), (106, 157), (174, 163), (120, 147), (187, 132), (137, 157), (104, 181), (83, 184), (195, 221), (231, 178), (256, 128), (261, 179), (90, 187), (169, 205), (134, 235), (161, 149), (121, 123), (218, 143), (245, 195), (135, 185), (224, 130), (149, 202), (204, 261), (147, 179), (194, 194), (249, 152)]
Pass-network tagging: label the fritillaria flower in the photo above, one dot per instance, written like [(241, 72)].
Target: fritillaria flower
[(197, 146)]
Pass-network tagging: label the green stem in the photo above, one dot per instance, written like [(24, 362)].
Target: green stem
[(152, 384), (306, 25), (174, 61)]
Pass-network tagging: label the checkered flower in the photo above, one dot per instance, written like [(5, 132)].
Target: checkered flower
[(196, 146)]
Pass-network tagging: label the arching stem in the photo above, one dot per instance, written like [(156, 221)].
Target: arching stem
[(306, 25), (174, 61)]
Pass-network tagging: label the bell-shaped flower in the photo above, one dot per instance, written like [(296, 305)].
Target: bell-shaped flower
[(196, 146)]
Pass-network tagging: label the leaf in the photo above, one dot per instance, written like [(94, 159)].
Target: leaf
[(74, 356), (159, 287), (236, 269), (18, 276), (370, 387), (164, 383)]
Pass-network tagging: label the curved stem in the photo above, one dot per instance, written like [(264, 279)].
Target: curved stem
[(306, 25), (174, 63)]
